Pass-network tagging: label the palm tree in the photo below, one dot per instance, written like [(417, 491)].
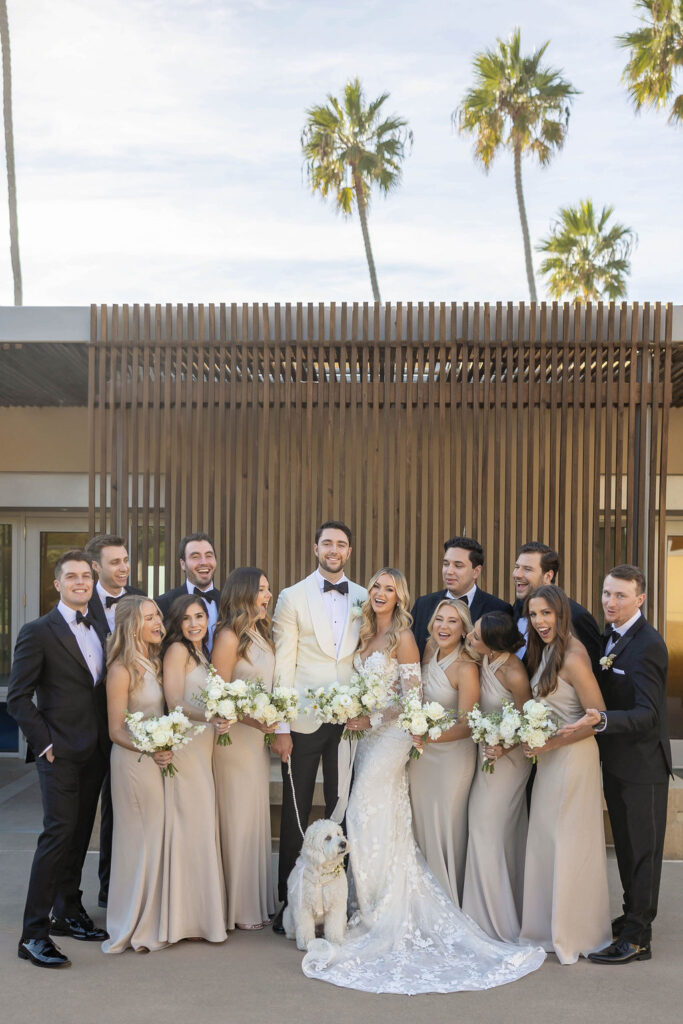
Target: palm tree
[(9, 152), (518, 104), (587, 258), (348, 148), (656, 55)]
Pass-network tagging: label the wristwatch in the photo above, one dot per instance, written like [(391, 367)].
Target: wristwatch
[(602, 724)]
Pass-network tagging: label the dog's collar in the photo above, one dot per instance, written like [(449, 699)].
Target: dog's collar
[(326, 876)]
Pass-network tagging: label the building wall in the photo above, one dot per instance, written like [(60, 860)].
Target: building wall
[(42, 440)]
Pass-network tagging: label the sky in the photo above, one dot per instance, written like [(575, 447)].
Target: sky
[(158, 151)]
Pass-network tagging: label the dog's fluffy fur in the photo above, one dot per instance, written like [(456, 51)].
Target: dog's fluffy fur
[(317, 889)]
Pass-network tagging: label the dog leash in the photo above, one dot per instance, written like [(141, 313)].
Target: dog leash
[(291, 782)]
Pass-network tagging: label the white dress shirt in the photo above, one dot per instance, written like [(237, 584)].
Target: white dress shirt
[(212, 608), (523, 630), (336, 606), (468, 597), (110, 613)]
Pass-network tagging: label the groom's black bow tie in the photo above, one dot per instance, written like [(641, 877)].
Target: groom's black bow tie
[(109, 600), (208, 595), (612, 634), (80, 617), (341, 588)]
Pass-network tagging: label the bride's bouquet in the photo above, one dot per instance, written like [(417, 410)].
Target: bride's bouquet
[(269, 708), (537, 725), (372, 686), (497, 728), (221, 699), (334, 705), (418, 719), (164, 732)]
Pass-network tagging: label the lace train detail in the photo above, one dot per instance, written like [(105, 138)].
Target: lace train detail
[(407, 936)]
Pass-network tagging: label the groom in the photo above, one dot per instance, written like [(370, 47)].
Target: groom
[(315, 626)]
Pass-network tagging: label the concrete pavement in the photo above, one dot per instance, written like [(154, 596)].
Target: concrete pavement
[(255, 977)]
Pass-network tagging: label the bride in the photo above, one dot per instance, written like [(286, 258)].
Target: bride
[(406, 935)]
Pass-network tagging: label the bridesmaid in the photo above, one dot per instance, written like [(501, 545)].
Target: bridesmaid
[(193, 903), (566, 905), (243, 649), (440, 779), (137, 785), (497, 814)]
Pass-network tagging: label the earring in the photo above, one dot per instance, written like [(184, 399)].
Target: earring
[(134, 635)]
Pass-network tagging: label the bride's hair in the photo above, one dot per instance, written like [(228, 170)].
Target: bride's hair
[(125, 645), (400, 620)]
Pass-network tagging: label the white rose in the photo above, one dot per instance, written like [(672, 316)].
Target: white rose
[(420, 725), (435, 732)]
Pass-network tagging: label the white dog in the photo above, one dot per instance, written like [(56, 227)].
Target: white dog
[(317, 889)]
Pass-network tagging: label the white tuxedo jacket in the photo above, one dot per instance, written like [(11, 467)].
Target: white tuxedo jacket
[(305, 655)]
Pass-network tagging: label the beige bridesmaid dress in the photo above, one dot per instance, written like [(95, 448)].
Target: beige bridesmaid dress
[(440, 781), (242, 774), (566, 904), (497, 821), (193, 899), (137, 793)]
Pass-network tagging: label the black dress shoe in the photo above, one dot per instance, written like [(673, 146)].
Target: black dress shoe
[(42, 953), (278, 926), (621, 952), (80, 927), (618, 926)]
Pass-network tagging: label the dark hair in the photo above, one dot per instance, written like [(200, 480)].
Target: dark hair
[(559, 602), (333, 524), (237, 608), (174, 625), (550, 560), (75, 555), (467, 544), (629, 572), (190, 537), (96, 544), (499, 632)]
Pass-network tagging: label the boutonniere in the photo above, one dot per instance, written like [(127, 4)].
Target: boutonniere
[(607, 661), (357, 608)]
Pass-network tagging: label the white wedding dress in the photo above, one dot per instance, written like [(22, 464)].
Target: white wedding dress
[(406, 936)]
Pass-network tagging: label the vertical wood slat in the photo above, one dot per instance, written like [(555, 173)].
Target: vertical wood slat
[(663, 464), (258, 430)]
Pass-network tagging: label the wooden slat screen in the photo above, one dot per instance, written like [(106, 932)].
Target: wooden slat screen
[(411, 422)]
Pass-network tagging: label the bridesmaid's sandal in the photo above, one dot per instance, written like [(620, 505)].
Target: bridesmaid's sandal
[(249, 927)]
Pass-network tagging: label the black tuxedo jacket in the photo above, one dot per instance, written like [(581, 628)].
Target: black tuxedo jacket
[(70, 712), (585, 628), (423, 609), (96, 608), (166, 600), (635, 745)]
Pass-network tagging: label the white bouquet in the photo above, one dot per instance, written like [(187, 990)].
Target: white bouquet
[(497, 728), (221, 699), (431, 719), (334, 705), (165, 732), (268, 708), (537, 725), (372, 686)]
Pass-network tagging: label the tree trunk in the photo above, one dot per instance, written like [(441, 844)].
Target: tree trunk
[(363, 214), (525, 227), (9, 153)]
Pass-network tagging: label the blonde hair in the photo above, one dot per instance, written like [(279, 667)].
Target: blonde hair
[(125, 645), (400, 620), (467, 654)]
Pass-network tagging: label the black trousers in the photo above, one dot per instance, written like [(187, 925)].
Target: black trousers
[(308, 749), (69, 792), (106, 829), (637, 814)]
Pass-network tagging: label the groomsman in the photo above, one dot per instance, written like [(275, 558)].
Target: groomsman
[(461, 567), (636, 757), (197, 557), (315, 627), (59, 660), (110, 561), (536, 565)]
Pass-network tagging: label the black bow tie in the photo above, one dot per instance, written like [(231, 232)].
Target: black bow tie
[(208, 595), (80, 617), (611, 634), (109, 600), (341, 588)]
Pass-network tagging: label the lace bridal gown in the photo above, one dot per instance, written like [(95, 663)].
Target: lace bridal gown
[(406, 936)]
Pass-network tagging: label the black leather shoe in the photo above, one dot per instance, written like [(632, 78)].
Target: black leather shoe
[(278, 926), (80, 927), (618, 926), (42, 953), (621, 952)]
